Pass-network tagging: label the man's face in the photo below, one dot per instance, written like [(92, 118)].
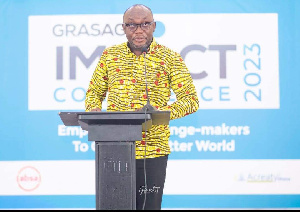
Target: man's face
[(139, 38)]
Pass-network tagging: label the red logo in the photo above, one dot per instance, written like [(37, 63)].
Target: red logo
[(29, 178)]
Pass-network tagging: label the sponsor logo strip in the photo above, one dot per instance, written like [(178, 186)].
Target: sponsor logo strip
[(184, 177)]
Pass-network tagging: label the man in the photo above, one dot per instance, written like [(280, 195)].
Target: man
[(120, 75)]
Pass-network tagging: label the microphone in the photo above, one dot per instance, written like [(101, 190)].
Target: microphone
[(148, 106)]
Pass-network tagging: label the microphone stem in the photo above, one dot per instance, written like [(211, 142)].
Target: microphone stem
[(148, 101)]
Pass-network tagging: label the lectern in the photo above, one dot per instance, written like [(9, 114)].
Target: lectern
[(115, 134)]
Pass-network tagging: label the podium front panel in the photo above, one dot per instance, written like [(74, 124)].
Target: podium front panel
[(115, 176)]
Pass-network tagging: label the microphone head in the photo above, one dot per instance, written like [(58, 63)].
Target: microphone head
[(144, 50)]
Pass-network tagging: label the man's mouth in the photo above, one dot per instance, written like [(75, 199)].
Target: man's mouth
[(139, 39)]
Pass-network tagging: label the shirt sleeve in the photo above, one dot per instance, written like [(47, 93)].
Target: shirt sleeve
[(182, 85), (98, 85)]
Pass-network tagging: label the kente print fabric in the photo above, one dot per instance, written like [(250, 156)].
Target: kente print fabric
[(120, 77)]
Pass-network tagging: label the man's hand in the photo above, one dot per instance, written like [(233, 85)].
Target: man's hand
[(96, 110), (149, 109)]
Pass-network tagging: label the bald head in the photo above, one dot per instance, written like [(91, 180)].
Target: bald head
[(138, 25), (137, 8)]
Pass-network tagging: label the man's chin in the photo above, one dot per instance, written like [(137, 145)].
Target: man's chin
[(138, 46)]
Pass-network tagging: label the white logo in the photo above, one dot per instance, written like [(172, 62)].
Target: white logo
[(233, 58)]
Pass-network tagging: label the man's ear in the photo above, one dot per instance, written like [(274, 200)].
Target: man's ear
[(154, 26)]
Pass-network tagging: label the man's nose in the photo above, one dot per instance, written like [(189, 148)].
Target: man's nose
[(139, 29)]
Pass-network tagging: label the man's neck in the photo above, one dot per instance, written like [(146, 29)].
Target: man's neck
[(137, 52)]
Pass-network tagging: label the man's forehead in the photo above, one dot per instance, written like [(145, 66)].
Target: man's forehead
[(138, 12)]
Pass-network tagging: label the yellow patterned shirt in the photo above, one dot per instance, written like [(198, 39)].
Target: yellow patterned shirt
[(120, 76)]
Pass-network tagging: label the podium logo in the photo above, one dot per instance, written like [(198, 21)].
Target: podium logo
[(29, 178)]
